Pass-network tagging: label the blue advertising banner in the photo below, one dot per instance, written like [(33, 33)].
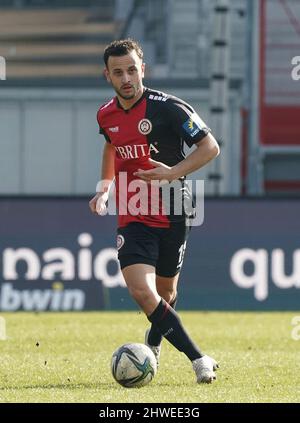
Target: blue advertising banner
[(246, 255), (55, 255)]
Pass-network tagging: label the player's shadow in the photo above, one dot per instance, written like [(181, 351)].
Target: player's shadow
[(66, 385)]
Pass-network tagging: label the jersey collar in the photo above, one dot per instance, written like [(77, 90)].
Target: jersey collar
[(134, 105)]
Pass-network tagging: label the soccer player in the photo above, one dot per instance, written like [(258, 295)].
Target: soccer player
[(145, 130)]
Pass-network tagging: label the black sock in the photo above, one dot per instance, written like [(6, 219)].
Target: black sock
[(168, 323), (154, 336)]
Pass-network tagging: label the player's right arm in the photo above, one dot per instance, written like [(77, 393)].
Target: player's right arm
[(98, 202)]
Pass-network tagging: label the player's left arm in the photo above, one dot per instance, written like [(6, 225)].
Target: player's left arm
[(207, 149)]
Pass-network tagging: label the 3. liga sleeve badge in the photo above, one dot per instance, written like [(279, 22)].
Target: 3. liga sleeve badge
[(145, 126)]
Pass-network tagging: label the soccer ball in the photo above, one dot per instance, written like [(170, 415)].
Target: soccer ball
[(133, 365)]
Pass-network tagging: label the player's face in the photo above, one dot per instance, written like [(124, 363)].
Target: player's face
[(126, 73)]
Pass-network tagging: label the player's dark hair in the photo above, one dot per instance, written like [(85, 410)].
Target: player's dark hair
[(121, 48)]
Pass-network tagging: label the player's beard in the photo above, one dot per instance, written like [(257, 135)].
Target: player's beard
[(136, 89)]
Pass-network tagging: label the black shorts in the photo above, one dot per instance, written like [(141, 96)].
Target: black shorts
[(162, 248)]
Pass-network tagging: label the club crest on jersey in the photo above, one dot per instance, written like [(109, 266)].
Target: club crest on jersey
[(120, 241), (145, 126)]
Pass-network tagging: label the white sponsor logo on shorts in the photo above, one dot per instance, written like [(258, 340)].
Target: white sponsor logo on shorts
[(120, 241)]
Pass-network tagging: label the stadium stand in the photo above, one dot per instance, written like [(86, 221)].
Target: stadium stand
[(41, 39)]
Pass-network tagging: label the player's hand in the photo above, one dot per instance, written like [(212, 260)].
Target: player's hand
[(98, 203), (160, 172)]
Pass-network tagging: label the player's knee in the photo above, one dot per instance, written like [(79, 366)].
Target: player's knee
[(141, 296), (168, 294)]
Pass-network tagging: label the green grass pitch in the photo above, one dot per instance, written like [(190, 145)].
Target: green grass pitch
[(51, 357)]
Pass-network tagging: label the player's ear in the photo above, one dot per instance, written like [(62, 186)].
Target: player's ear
[(106, 74), (143, 69)]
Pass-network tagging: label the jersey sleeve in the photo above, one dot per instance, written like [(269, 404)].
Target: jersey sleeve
[(186, 123), (102, 130)]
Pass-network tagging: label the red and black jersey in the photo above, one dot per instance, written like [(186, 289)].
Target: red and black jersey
[(156, 126)]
